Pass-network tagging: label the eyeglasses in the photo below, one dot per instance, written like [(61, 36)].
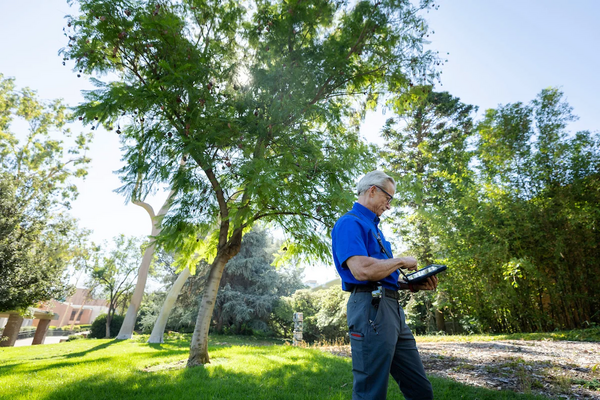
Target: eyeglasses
[(390, 197)]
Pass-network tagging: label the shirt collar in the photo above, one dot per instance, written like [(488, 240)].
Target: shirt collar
[(370, 215)]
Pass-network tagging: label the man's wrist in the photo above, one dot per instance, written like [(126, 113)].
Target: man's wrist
[(407, 286)]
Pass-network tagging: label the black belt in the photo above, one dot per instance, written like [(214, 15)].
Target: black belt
[(386, 292)]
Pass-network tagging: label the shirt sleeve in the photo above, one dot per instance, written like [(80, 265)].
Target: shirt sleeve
[(350, 240)]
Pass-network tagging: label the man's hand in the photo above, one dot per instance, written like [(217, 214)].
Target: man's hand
[(429, 284), (409, 263)]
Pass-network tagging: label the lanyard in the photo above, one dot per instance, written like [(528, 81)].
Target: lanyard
[(383, 249)]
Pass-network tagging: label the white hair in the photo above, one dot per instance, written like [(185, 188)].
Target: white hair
[(371, 179)]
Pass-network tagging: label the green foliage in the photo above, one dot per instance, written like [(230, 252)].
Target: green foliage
[(251, 285), (331, 318), (419, 314), (427, 153), (36, 159), (98, 328), (115, 272), (324, 314), (262, 99), (149, 310), (533, 219), (513, 215), (37, 242), (28, 275)]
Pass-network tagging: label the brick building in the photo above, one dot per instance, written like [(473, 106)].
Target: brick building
[(79, 309)]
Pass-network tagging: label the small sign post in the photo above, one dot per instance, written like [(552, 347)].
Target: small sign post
[(298, 325)]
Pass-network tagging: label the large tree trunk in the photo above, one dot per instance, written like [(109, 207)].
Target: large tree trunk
[(126, 330), (226, 250), (159, 326), (199, 346)]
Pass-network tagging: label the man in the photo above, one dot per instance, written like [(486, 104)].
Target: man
[(381, 341)]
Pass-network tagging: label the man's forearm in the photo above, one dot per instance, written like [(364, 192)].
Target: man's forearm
[(372, 269)]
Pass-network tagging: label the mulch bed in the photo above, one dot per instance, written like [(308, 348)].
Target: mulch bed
[(555, 369)]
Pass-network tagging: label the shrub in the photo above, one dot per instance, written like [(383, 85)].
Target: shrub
[(98, 328), (74, 337)]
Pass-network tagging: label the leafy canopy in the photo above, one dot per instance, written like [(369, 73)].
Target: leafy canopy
[(263, 99), (38, 242)]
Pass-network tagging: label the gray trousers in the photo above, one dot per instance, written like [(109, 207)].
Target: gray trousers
[(382, 344)]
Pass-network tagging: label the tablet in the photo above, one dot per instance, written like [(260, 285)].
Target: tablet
[(424, 273)]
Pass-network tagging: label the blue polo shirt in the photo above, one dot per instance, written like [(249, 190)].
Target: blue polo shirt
[(355, 234)]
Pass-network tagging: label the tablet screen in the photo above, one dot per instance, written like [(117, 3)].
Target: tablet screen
[(426, 272), (421, 272)]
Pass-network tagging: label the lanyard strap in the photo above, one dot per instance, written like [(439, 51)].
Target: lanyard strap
[(383, 249)]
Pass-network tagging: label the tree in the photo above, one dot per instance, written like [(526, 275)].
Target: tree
[(519, 234), (98, 328), (37, 163), (21, 247), (427, 153), (36, 240), (159, 324), (181, 314), (136, 299), (159, 320), (83, 253), (251, 286), (265, 99), (534, 213), (115, 273)]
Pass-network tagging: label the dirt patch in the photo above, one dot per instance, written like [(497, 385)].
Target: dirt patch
[(181, 364), (555, 369)]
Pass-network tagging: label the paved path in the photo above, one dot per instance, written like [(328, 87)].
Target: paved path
[(48, 340)]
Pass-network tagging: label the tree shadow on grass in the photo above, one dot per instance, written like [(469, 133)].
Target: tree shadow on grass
[(95, 348), (69, 360)]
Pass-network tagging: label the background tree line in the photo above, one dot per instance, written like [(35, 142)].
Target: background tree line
[(509, 202)]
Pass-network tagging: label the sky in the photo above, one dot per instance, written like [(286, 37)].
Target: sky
[(500, 51)]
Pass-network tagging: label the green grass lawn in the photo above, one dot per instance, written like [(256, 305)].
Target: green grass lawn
[(240, 369)]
